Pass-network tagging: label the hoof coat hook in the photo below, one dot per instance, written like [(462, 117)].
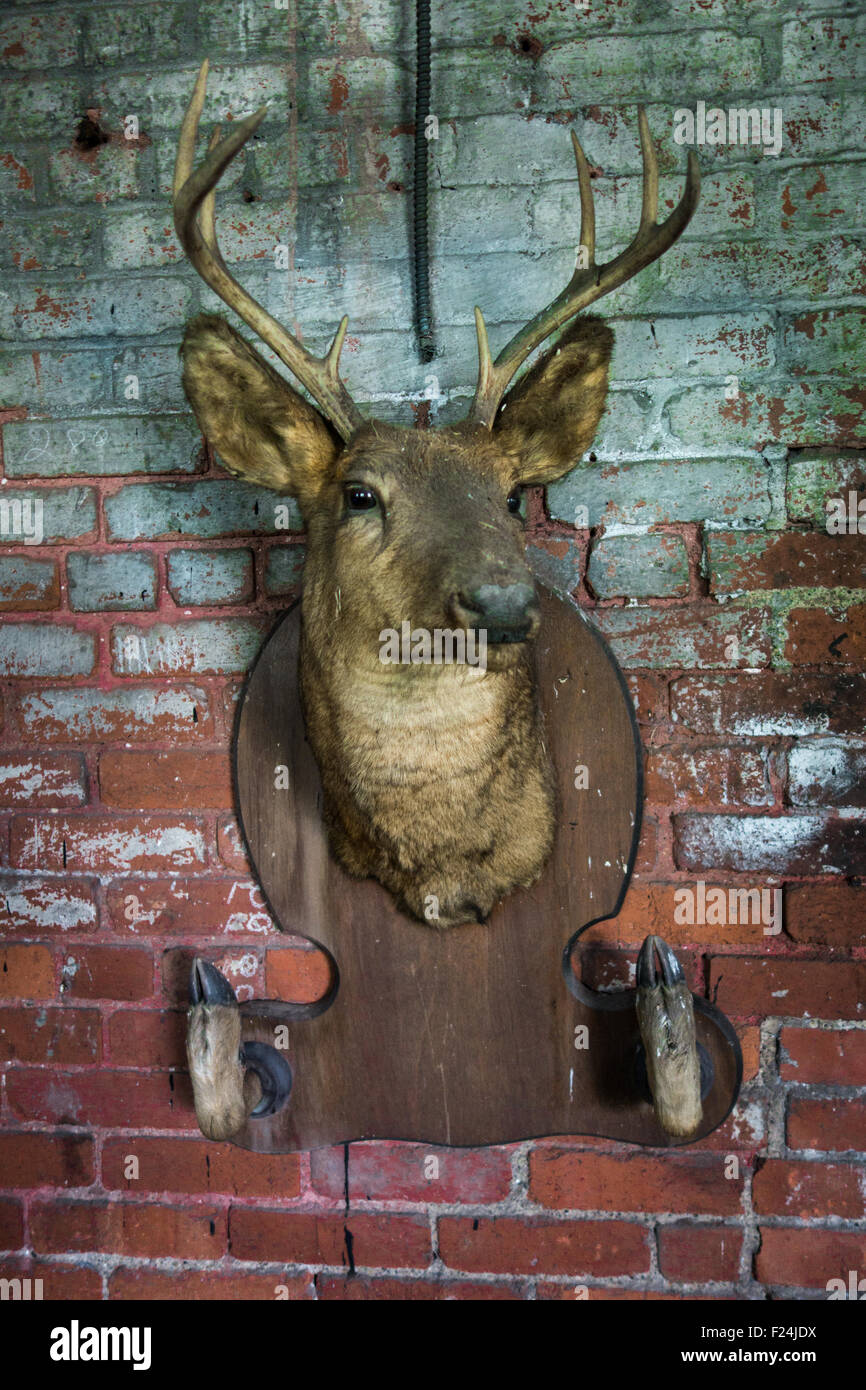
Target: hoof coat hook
[(666, 1018), (231, 1080)]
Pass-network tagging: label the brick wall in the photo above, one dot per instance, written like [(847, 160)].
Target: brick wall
[(695, 533)]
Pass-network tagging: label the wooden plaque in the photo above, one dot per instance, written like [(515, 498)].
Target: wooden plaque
[(478, 1034)]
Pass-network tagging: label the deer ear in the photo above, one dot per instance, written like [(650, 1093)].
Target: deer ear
[(264, 431), (550, 417)]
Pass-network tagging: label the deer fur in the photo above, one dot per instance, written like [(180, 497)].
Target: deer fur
[(436, 778)]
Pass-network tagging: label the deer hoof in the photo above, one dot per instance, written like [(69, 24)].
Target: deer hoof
[(213, 1049), (666, 1019)]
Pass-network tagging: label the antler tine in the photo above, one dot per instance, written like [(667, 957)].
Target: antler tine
[(589, 282), (193, 196)]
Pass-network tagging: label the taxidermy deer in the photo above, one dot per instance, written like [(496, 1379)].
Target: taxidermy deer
[(436, 778)]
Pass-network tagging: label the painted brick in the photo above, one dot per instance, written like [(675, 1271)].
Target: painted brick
[(811, 1191), (184, 1233), (248, 232), (102, 1097), (34, 1159), (188, 907), (693, 636), (832, 1057), (388, 1240), (16, 179), (639, 566), (798, 844), (28, 972), (836, 1124), (28, 585), (708, 776), (824, 340), (32, 103), (96, 446), (801, 1257), (138, 713), (795, 413), (56, 514), (819, 198), (108, 583), (566, 1178), (39, 41), (649, 493), (823, 49), (201, 577), (110, 307), (100, 175), (173, 781), (113, 35), (404, 1172), (48, 243), (207, 510), (160, 99), (50, 779), (705, 345), (61, 1036), (195, 1166), (746, 986), (770, 703), (158, 1035), (152, 372), (207, 646), (720, 273), (830, 914), (283, 569), (699, 1255), (818, 474), (96, 844), (143, 1285), (833, 636), (51, 381), (741, 560), (582, 71), (826, 774), (531, 1245), (37, 906), (33, 649), (556, 562)]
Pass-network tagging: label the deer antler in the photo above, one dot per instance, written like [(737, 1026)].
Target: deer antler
[(193, 201), (591, 282)]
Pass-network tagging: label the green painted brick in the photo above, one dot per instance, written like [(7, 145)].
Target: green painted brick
[(48, 242), (198, 577), (586, 70), (818, 198), (246, 232), (727, 202), (686, 636), (793, 413), (17, 180), (96, 446), (700, 345), (41, 41), (555, 562), (124, 305), (116, 34), (28, 583), (111, 582), (160, 98), (107, 173), (283, 569), (48, 381), (825, 340), (205, 509), (37, 105), (814, 475), (56, 514), (639, 567), (207, 646), (373, 82), (824, 49), (45, 649), (148, 378), (730, 490)]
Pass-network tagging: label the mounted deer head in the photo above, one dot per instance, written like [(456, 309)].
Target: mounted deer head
[(435, 776)]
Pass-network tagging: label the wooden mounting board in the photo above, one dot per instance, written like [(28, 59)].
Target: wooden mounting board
[(463, 1036)]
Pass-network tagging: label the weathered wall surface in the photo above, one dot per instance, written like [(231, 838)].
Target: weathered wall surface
[(695, 533)]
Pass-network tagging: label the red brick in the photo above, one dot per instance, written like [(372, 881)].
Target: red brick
[(835, 1124), (11, 1224), (821, 637), (170, 713), (349, 1288), (750, 1044), (301, 974), (121, 1099), (46, 906), (46, 1160), (652, 909), (107, 972), (647, 850), (58, 1281), (771, 702), (708, 777), (801, 843), (189, 907), (396, 1172), (50, 1035), (147, 1037), (767, 987), (602, 968), (230, 845), (826, 914), (784, 560), (146, 1285), (808, 1257), (56, 780), (27, 972), (196, 1166), (98, 844), (700, 1254), (126, 1228), (686, 636), (588, 1181), (832, 1057), (532, 1245), (813, 1191), (176, 781), (389, 1241), (569, 1293), (649, 695)]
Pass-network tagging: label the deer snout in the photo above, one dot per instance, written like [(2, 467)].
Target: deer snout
[(507, 612)]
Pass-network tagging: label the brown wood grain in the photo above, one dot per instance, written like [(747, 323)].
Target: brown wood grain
[(462, 1036)]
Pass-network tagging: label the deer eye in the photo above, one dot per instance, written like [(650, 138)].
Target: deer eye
[(360, 498), (514, 501)]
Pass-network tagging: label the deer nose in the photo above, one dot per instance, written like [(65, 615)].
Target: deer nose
[(508, 612)]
